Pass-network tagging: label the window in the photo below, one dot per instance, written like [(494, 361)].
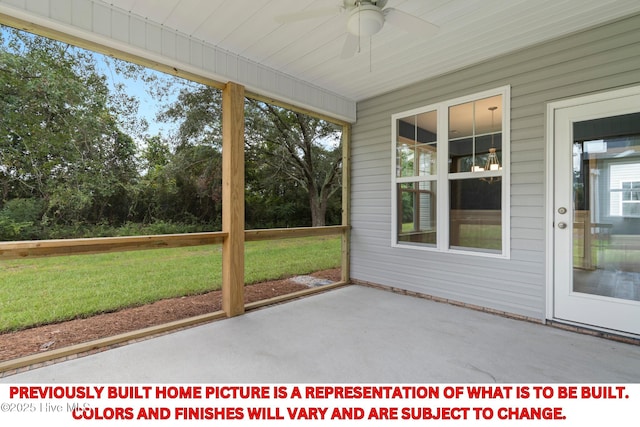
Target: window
[(416, 168), (624, 188), (450, 171), (631, 198)]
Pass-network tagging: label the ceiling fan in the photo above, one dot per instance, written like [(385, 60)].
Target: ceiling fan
[(366, 18)]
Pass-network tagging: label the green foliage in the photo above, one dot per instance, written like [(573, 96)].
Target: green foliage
[(18, 217), (198, 112), (292, 156), (60, 140), (81, 230), (73, 142), (29, 210), (11, 229)]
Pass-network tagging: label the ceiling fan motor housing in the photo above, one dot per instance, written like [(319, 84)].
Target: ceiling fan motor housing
[(365, 20)]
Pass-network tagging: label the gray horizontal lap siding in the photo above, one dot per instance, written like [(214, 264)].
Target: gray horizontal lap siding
[(598, 59)]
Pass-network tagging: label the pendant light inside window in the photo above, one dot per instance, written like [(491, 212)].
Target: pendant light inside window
[(493, 163)]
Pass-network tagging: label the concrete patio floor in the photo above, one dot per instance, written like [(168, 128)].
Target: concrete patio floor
[(357, 334)]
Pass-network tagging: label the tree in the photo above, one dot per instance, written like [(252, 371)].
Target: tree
[(196, 160), (59, 139), (287, 154), (304, 150)]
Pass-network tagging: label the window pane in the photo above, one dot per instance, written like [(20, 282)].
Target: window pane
[(416, 145), (631, 209), (461, 122), (475, 136), (632, 190), (606, 213), (460, 155), (417, 212), (475, 216), (404, 160)]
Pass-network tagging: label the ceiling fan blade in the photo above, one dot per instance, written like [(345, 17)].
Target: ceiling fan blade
[(410, 23), (308, 14), (350, 46)]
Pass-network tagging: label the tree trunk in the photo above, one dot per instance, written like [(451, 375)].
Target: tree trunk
[(318, 209)]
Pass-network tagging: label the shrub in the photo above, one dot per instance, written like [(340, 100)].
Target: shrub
[(20, 219)]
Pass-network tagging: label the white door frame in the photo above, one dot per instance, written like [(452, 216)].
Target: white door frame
[(550, 178)]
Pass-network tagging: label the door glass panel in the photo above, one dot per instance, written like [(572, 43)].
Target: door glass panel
[(606, 207)]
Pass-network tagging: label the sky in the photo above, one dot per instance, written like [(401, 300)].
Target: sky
[(149, 107)]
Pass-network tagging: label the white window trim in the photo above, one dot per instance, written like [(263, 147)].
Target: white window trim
[(443, 176)]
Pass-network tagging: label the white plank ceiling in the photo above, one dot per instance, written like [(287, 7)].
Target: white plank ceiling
[(309, 50)]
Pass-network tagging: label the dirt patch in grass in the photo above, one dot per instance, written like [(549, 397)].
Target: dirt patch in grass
[(36, 340)]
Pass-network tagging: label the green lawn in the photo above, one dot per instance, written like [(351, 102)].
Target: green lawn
[(46, 290)]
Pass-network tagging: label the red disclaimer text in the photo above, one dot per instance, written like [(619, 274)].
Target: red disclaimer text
[(231, 403)]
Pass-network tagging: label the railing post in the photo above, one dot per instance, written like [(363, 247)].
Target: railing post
[(233, 199)]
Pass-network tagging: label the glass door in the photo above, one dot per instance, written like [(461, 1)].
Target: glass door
[(597, 214)]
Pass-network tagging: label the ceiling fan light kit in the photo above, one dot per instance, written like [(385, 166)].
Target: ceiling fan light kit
[(365, 20)]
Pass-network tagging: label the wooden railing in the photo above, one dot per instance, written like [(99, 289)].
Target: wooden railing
[(62, 247), (289, 233)]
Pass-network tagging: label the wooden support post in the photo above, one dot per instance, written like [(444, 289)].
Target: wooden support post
[(233, 199), (346, 202)]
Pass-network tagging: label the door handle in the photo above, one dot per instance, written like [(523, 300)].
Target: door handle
[(562, 225)]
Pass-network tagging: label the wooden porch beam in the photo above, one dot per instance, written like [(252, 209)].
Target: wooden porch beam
[(346, 202), (233, 199)]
